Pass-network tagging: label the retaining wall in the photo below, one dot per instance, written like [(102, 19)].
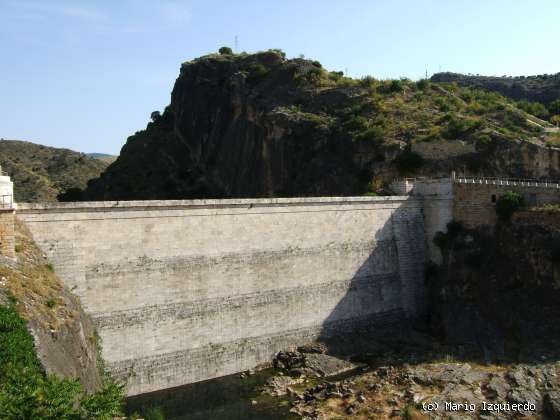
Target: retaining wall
[(474, 204)]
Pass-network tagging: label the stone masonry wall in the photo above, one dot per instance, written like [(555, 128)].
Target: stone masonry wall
[(475, 204), (184, 291)]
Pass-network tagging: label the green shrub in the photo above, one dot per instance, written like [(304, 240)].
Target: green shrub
[(357, 123), (155, 413), (535, 108), (257, 71), (155, 116), (508, 204), (346, 82), (418, 97), (459, 128), (314, 75), (372, 134), (483, 138), (51, 303), (279, 52), (396, 86), (368, 82), (18, 248), (27, 393), (442, 104), (336, 75), (225, 51), (476, 108), (408, 161), (554, 107), (423, 84)]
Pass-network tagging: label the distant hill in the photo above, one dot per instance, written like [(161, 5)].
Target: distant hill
[(103, 157), (42, 173), (542, 88)]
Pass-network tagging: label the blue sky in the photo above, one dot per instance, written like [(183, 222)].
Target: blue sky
[(87, 74)]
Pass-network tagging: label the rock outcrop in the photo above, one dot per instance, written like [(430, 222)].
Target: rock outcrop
[(499, 293), (263, 126), (64, 336)]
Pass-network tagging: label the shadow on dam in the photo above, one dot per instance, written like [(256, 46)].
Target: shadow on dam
[(376, 304), (385, 297)]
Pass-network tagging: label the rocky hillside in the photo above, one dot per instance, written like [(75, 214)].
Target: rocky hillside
[(42, 173), (499, 292), (543, 88), (261, 125)]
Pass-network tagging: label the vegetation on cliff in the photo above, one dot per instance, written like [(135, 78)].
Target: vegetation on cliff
[(42, 173), (54, 373), (543, 89), (508, 204), (498, 290), (257, 125), (27, 393)]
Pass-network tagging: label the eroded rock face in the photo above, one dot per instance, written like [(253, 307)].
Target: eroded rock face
[(64, 335), (499, 292), (69, 351), (232, 132)]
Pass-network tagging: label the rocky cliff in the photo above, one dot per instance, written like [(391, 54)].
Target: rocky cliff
[(499, 292), (261, 125)]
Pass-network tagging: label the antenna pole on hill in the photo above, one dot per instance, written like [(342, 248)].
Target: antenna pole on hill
[(426, 74), (235, 44)]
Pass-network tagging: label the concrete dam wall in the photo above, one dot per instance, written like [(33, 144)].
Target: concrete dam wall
[(184, 291)]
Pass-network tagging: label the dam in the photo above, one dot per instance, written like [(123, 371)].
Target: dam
[(184, 291), (189, 290)]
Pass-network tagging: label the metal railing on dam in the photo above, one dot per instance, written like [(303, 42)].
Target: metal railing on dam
[(514, 182)]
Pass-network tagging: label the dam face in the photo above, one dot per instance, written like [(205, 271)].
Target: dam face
[(184, 291)]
